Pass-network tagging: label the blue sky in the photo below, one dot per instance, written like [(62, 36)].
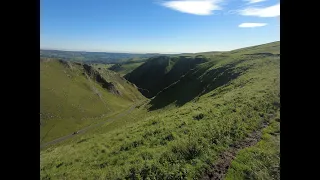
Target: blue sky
[(158, 26)]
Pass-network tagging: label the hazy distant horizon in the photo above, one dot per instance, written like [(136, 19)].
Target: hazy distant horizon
[(131, 52), (126, 52)]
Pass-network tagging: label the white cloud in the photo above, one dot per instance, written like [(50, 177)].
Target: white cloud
[(271, 11), (251, 25), (254, 1), (197, 7)]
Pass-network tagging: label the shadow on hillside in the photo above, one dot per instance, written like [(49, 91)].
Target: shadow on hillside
[(158, 73), (194, 85)]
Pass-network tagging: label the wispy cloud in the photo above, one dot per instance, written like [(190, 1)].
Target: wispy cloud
[(251, 25), (271, 11), (254, 1), (197, 7)]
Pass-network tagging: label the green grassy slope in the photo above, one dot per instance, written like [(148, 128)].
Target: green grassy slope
[(207, 54), (69, 100), (101, 66), (261, 161), (185, 141), (217, 72), (125, 68), (159, 72)]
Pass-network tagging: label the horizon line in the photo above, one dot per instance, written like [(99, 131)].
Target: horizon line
[(97, 51), (128, 52)]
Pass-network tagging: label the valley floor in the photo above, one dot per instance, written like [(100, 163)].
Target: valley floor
[(84, 130)]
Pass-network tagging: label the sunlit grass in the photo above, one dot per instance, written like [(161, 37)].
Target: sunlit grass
[(181, 142)]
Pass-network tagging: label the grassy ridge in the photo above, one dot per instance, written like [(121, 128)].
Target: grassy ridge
[(159, 72), (216, 73), (261, 161), (178, 142), (69, 100)]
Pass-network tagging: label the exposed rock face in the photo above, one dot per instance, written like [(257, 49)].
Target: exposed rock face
[(98, 78), (66, 64)]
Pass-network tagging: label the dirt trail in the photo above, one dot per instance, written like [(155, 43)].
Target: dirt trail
[(220, 168)]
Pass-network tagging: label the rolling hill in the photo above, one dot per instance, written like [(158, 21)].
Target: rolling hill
[(159, 72), (211, 116), (125, 68), (93, 57), (74, 95), (205, 77)]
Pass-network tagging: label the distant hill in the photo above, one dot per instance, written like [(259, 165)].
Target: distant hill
[(72, 95), (93, 57), (125, 67)]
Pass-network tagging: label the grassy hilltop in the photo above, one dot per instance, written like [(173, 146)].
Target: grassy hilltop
[(212, 115)]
